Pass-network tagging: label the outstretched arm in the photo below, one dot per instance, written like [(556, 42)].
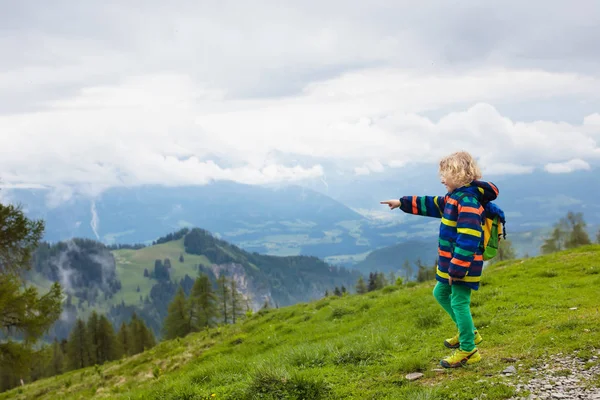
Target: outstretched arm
[(429, 206)]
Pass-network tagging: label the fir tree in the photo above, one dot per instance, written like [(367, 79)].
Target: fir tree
[(337, 292), (361, 287), (124, 339), (203, 302), (92, 332), (505, 251), (380, 280), (237, 301), (141, 338), (569, 232), (57, 364), (408, 269), (177, 322), (224, 295), (391, 278), (577, 235), (108, 348), (78, 350), (372, 281), (24, 312)]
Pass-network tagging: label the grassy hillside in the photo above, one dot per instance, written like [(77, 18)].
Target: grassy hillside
[(131, 265), (362, 346)]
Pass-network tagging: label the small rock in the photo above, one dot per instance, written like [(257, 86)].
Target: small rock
[(573, 308), (414, 376), (438, 370), (509, 359), (510, 370)]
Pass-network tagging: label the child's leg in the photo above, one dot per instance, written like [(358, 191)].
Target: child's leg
[(442, 293), (461, 305)]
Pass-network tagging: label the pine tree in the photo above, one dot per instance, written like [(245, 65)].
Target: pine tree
[(223, 294), (569, 232), (361, 287), (78, 348), (557, 239), (141, 338), (380, 280), (372, 281), (124, 339), (24, 312), (326, 292), (203, 303), (408, 269), (505, 251), (577, 235), (57, 364), (237, 301), (598, 237), (108, 348), (177, 322), (343, 289), (93, 337), (337, 292), (391, 277)]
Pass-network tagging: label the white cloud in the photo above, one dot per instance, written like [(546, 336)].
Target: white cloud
[(507, 169), (188, 94), (165, 129), (368, 167), (567, 167)]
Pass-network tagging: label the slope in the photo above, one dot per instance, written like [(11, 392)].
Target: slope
[(132, 263), (362, 346)]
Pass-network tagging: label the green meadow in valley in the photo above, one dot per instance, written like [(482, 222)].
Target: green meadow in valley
[(362, 346)]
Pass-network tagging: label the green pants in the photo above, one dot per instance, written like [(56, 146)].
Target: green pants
[(456, 300)]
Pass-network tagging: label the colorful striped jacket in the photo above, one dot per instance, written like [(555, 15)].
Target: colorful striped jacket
[(459, 250)]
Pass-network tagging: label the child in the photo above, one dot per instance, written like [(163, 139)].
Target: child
[(460, 253)]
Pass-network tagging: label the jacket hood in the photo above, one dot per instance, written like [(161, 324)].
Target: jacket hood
[(486, 191)]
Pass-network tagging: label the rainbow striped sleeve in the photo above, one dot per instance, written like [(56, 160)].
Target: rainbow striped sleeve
[(469, 236), (429, 206)]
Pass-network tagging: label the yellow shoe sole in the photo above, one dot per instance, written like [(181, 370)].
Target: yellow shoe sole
[(474, 358)]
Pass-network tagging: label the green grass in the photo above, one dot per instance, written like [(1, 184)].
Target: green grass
[(362, 346), (131, 265)]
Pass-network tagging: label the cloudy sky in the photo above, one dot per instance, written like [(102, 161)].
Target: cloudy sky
[(181, 92)]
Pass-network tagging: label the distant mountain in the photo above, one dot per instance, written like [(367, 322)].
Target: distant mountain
[(144, 280), (531, 201), (393, 258), (338, 218), (290, 220)]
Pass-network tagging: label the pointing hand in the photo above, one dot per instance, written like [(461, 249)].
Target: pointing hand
[(392, 203)]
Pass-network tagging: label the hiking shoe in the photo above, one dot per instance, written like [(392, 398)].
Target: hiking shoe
[(453, 342), (461, 358)]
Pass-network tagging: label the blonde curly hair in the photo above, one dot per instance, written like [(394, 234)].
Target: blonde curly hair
[(459, 169)]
